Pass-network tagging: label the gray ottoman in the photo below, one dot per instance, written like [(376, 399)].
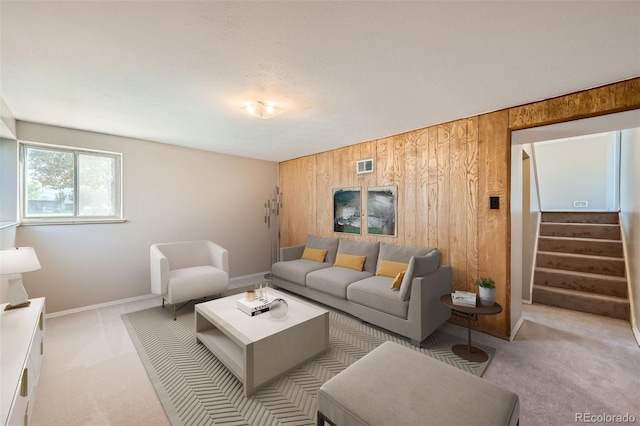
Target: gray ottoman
[(395, 385)]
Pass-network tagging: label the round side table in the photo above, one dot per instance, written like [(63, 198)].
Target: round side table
[(468, 352)]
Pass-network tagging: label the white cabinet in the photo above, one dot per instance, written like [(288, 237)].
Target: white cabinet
[(22, 350)]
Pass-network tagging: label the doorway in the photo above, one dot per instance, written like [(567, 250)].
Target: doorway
[(521, 236)]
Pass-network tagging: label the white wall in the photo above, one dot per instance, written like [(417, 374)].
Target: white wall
[(7, 120), (630, 214), (170, 193), (8, 180), (576, 169), (8, 166)]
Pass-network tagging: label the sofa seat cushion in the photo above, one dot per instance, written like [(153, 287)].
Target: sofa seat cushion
[(191, 283), (296, 270), (334, 281), (376, 293)]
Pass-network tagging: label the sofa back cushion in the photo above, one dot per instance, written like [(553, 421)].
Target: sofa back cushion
[(328, 244), (419, 266), (362, 248), (401, 254)]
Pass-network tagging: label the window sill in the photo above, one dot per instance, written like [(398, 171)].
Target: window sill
[(74, 221), (5, 225)]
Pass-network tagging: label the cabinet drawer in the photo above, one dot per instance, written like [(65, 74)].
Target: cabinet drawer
[(22, 330)]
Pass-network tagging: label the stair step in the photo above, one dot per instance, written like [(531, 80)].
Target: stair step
[(581, 263), (580, 230), (580, 217), (582, 281), (590, 246), (599, 304)]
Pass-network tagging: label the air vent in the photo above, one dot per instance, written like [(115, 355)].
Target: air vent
[(580, 204), (364, 166)]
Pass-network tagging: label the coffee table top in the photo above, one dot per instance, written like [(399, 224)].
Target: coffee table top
[(247, 329)]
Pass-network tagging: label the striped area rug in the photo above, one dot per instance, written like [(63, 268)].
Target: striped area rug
[(197, 389)]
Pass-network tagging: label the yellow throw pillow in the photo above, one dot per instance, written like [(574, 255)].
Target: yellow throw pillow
[(350, 261), (398, 281), (388, 268), (314, 254)]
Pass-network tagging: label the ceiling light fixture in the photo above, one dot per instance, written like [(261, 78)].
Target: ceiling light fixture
[(261, 109)]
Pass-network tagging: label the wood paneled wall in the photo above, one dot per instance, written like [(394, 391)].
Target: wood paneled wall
[(445, 175)]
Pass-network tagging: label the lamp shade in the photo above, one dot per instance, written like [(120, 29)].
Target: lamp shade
[(18, 260)]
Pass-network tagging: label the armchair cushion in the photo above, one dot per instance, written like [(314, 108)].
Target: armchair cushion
[(192, 283)]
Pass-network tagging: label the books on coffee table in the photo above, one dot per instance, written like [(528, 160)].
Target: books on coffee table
[(463, 298), (255, 307)]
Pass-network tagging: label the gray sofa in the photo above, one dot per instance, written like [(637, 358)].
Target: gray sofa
[(414, 310)]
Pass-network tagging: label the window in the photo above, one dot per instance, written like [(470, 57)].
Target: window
[(65, 185)]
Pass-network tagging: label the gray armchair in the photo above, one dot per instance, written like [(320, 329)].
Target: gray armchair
[(188, 270)]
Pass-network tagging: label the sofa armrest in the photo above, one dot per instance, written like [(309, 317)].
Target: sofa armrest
[(159, 269), (291, 253), (425, 309)]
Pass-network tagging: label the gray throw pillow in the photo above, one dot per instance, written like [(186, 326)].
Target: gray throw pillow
[(328, 244), (419, 266), (362, 248)]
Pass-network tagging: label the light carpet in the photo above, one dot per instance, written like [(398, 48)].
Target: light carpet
[(195, 388)]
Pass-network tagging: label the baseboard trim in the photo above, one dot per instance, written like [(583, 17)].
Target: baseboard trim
[(516, 328), (636, 334), (244, 280), (234, 282), (100, 305)]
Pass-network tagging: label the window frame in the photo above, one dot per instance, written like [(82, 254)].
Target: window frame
[(117, 217)]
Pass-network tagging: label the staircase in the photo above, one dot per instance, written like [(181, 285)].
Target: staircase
[(580, 264)]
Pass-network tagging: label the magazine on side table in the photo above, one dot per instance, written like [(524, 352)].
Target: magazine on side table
[(463, 298)]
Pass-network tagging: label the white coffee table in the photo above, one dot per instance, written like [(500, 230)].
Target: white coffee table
[(261, 348)]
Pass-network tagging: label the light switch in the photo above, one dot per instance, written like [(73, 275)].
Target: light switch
[(494, 203)]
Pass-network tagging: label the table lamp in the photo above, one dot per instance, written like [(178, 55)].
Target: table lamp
[(14, 262)]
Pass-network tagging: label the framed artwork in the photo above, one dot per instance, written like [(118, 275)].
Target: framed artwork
[(382, 206), (347, 210)]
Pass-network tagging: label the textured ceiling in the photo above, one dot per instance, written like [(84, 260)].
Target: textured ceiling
[(344, 72)]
